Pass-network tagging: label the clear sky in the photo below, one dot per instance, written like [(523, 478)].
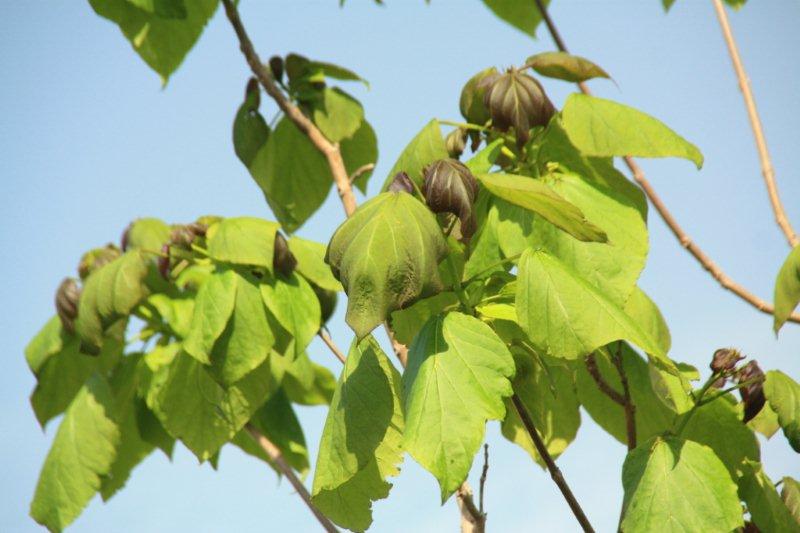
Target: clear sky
[(89, 141)]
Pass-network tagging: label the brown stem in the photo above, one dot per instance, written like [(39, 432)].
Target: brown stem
[(275, 455), (472, 519), (628, 405), (705, 261), (555, 472), (755, 123), (326, 338), (327, 148), (483, 476), (602, 384)]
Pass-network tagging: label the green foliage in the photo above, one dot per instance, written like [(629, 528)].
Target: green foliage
[(787, 288), (767, 509), (522, 14), (783, 394), (662, 475), (427, 147), (243, 241), (564, 66)]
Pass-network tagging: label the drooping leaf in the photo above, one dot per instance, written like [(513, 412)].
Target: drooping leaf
[(386, 256), (783, 395), (600, 127), (548, 394), (662, 475), (537, 197), (457, 376), (311, 264), (361, 442), (243, 241), (194, 408), (250, 130), (522, 14), (293, 175), (767, 509), (425, 148), (292, 302), (212, 310), (337, 114), (565, 316), (83, 450), (162, 42), (565, 66), (787, 288)]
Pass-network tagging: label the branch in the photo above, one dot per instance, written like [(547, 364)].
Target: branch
[(276, 457), (472, 519), (483, 476), (328, 149), (326, 338), (705, 261), (602, 384), (755, 123), (555, 472), (628, 405)]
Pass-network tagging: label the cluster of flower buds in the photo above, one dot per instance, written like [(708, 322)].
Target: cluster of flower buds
[(450, 187), (67, 297), (749, 377), (283, 261)]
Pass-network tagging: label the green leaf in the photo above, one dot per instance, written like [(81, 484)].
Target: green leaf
[(646, 314), (359, 150), (612, 268), (663, 475), (386, 256), (292, 302), (337, 114), (148, 234), (243, 241), (47, 342), (177, 313), (790, 494), (308, 383), (194, 408), (565, 316), (213, 307), (407, 322), (162, 8), (671, 389), (483, 161), (293, 175), (765, 422), (783, 394), (361, 442), (652, 415), (548, 394), (311, 264), (247, 339), (787, 289), (278, 422), (457, 376), (540, 199), (522, 14), (336, 72), (161, 42), (565, 66), (83, 450), (767, 510), (599, 127), (428, 146), (250, 130), (485, 250), (110, 293)]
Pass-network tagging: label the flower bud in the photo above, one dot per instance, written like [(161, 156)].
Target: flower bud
[(517, 100), (752, 393), (67, 297), (283, 261), (276, 66), (450, 187), (725, 360), (185, 234), (327, 302), (455, 142), (96, 258), (163, 262), (401, 183)]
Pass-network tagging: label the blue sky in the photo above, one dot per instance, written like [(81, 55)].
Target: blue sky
[(89, 141)]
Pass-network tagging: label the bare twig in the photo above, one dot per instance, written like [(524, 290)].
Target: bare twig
[(628, 405), (602, 384), (705, 261), (275, 455), (472, 519), (555, 472), (755, 122), (327, 148), (483, 476), (326, 338), (360, 171)]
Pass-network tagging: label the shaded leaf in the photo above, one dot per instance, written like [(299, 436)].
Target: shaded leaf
[(790, 494), (471, 101), (311, 264), (783, 394), (292, 302), (787, 288), (337, 114), (250, 130), (278, 422), (767, 509), (359, 150), (212, 310), (307, 383)]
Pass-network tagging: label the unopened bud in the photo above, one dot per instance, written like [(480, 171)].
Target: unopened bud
[(276, 66), (455, 142), (725, 360), (517, 100), (163, 262), (450, 187), (753, 392), (283, 261), (96, 258), (401, 183), (67, 297)]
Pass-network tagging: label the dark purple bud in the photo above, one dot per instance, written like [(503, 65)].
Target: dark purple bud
[(252, 95), (450, 187), (276, 66), (455, 142), (283, 261), (517, 100), (123, 244), (753, 392), (725, 360), (163, 262), (327, 302), (401, 183), (67, 297), (96, 258), (184, 235)]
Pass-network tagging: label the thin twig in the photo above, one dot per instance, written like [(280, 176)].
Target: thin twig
[(275, 455), (555, 472), (628, 405), (758, 132), (326, 338), (327, 148), (602, 384), (483, 477), (360, 171), (705, 261)]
